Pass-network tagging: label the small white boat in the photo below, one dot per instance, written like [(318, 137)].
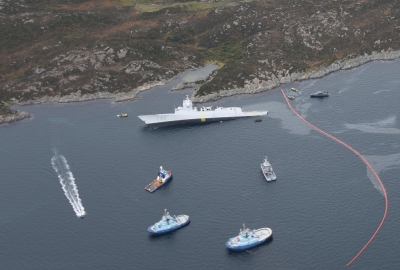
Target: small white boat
[(267, 170)]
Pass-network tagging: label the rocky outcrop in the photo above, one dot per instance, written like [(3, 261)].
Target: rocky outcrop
[(258, 85), (78, 97), (13, 118)]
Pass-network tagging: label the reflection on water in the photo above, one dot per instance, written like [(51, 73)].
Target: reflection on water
[(199, 74)]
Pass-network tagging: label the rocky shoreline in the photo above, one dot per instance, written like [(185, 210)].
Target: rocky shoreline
[(257, 85), (78, 97), (251, 86), (19, 115)]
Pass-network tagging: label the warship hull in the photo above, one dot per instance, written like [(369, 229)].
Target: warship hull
[(189, 115), (187, 122)]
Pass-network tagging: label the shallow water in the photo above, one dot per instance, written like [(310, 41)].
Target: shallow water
[(322, 209)]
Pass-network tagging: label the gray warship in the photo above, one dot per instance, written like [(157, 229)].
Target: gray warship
[(189, 115)]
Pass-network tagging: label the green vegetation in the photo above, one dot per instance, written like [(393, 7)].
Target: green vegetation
[(227, 52), (74, 35)]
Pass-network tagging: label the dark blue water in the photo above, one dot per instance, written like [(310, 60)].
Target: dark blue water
[(323, 208)]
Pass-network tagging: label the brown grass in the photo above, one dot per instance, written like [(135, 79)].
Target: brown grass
[(124, 27), (94, 4)]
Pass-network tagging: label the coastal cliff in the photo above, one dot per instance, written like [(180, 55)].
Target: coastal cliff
[(79, 50)]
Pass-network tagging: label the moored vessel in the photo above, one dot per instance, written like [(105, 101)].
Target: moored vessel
[(168, 223), (267, 170), (188, 115), (290, 97), (163, 177), (295, 89), (320, 94), (248, 238)]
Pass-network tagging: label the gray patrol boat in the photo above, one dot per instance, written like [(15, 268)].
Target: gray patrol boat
[(267, 170), (187, 114)]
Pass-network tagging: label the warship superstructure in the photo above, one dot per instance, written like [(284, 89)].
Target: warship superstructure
[(187, 114)]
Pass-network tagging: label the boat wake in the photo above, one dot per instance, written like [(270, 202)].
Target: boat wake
[(67, 181)]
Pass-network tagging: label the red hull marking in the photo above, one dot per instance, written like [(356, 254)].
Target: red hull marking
[(364, 160)]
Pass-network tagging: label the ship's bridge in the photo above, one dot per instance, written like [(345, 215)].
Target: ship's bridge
[(186, 106)]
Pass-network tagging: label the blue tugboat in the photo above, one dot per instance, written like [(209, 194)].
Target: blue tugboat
[(248, 238), (163, 177), (169, 223)]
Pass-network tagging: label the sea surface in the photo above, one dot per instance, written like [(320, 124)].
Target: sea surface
[(323, 208)]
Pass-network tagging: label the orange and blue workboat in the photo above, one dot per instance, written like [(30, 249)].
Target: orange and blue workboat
[(163, 177)]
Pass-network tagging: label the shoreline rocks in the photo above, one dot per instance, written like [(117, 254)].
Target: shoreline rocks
[(251, 86), (256, 85), (19, 115)]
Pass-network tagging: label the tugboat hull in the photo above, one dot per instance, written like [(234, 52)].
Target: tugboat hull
[(244, 247), (263, 235), (183, 221)]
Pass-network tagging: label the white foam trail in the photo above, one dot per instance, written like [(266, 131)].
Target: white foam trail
[(67, 181), (381, 91)]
